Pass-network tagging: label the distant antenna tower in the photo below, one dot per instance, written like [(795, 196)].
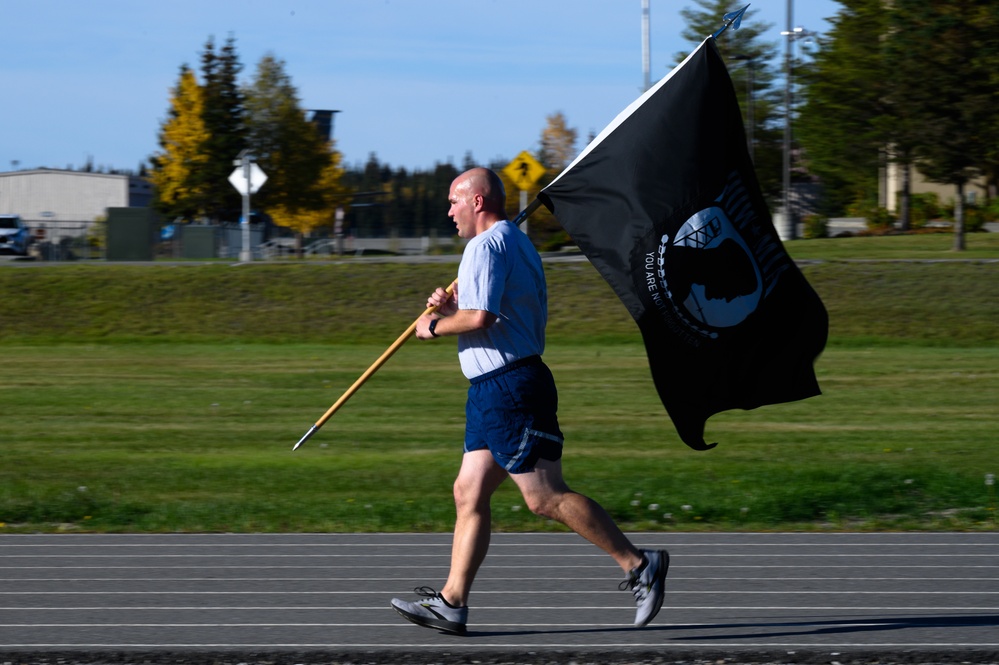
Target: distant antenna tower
[(646, 54)]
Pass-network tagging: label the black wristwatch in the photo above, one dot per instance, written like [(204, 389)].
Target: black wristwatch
[(432, 328)]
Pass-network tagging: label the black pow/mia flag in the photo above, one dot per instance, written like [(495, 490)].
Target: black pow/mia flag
[(666, 205)]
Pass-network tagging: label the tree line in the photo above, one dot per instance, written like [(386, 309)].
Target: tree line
[(212, 118), (908, 81), (913, 82), (211, 121)]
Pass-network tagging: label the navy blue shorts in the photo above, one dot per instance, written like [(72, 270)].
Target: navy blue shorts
[(512, 413)]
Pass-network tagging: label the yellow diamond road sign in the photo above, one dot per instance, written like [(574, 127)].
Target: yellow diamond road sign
[(524, 171)]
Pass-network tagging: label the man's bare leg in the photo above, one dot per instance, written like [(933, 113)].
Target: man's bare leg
[(478, 478), (546, 494)]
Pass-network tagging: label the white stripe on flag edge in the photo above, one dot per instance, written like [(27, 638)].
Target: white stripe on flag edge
[(626, 113)]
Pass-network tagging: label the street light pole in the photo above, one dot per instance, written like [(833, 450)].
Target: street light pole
[(791, 34), (789, 221)]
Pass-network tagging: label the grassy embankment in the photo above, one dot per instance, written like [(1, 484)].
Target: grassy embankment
[(167, 398)]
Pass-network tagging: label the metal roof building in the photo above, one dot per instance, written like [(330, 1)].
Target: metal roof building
[(65, 203)]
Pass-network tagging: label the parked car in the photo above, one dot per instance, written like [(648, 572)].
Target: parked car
[(14, 235)]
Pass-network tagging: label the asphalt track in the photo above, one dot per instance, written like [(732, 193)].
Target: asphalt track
[(540, 597)]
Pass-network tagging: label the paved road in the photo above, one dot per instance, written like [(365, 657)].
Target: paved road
[(913, 597)]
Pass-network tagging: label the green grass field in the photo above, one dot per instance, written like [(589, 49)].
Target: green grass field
[(167, 398)]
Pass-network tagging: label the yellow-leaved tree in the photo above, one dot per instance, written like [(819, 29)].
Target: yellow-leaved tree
[(558, 148), (330, 193), (558, 143), (182, 137)]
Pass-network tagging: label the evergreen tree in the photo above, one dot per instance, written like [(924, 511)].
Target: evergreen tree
[(399, 204), (368, 215), (410, 203), (437, 195), (748, 59), (941, 52), (224, 120), (848, 118)]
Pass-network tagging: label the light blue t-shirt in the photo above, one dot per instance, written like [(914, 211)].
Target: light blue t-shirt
[(501, 272)]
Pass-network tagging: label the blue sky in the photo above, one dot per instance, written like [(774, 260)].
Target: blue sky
[(418, 81)]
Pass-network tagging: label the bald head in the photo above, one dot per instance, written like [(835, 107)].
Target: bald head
[(485, 183), (477, 201)]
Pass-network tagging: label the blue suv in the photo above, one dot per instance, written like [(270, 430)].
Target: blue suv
[(14, 235)]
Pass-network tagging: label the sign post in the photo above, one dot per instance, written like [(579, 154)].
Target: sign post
[(524, 171), (248, 178)]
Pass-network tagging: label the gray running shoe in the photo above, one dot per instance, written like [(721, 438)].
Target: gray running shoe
[(433, 612), (648, 583)]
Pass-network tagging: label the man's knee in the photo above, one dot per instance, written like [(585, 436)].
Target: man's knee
[(471, 494), (465, 493), (543, 504), (477, 480)]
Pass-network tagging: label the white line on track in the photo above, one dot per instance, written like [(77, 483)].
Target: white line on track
[(504, 593), (990, 555), (447, 545), (356, 608), (895, 561), (471, 643), (487, 567), (482, 578), (442, 537)]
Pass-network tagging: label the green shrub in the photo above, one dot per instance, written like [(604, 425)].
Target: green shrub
[(879, 219), (923, 208), (991, 210), (816, 226), (556, 242), (974, 218)]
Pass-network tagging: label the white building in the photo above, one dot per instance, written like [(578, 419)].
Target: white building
[(55, 204), (891, 186)]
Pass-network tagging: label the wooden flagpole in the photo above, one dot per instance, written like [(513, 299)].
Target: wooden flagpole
[(368, 372), (524, 214)]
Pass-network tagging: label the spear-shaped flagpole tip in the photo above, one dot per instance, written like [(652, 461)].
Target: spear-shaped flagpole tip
[(305, 438), (733, 19)]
